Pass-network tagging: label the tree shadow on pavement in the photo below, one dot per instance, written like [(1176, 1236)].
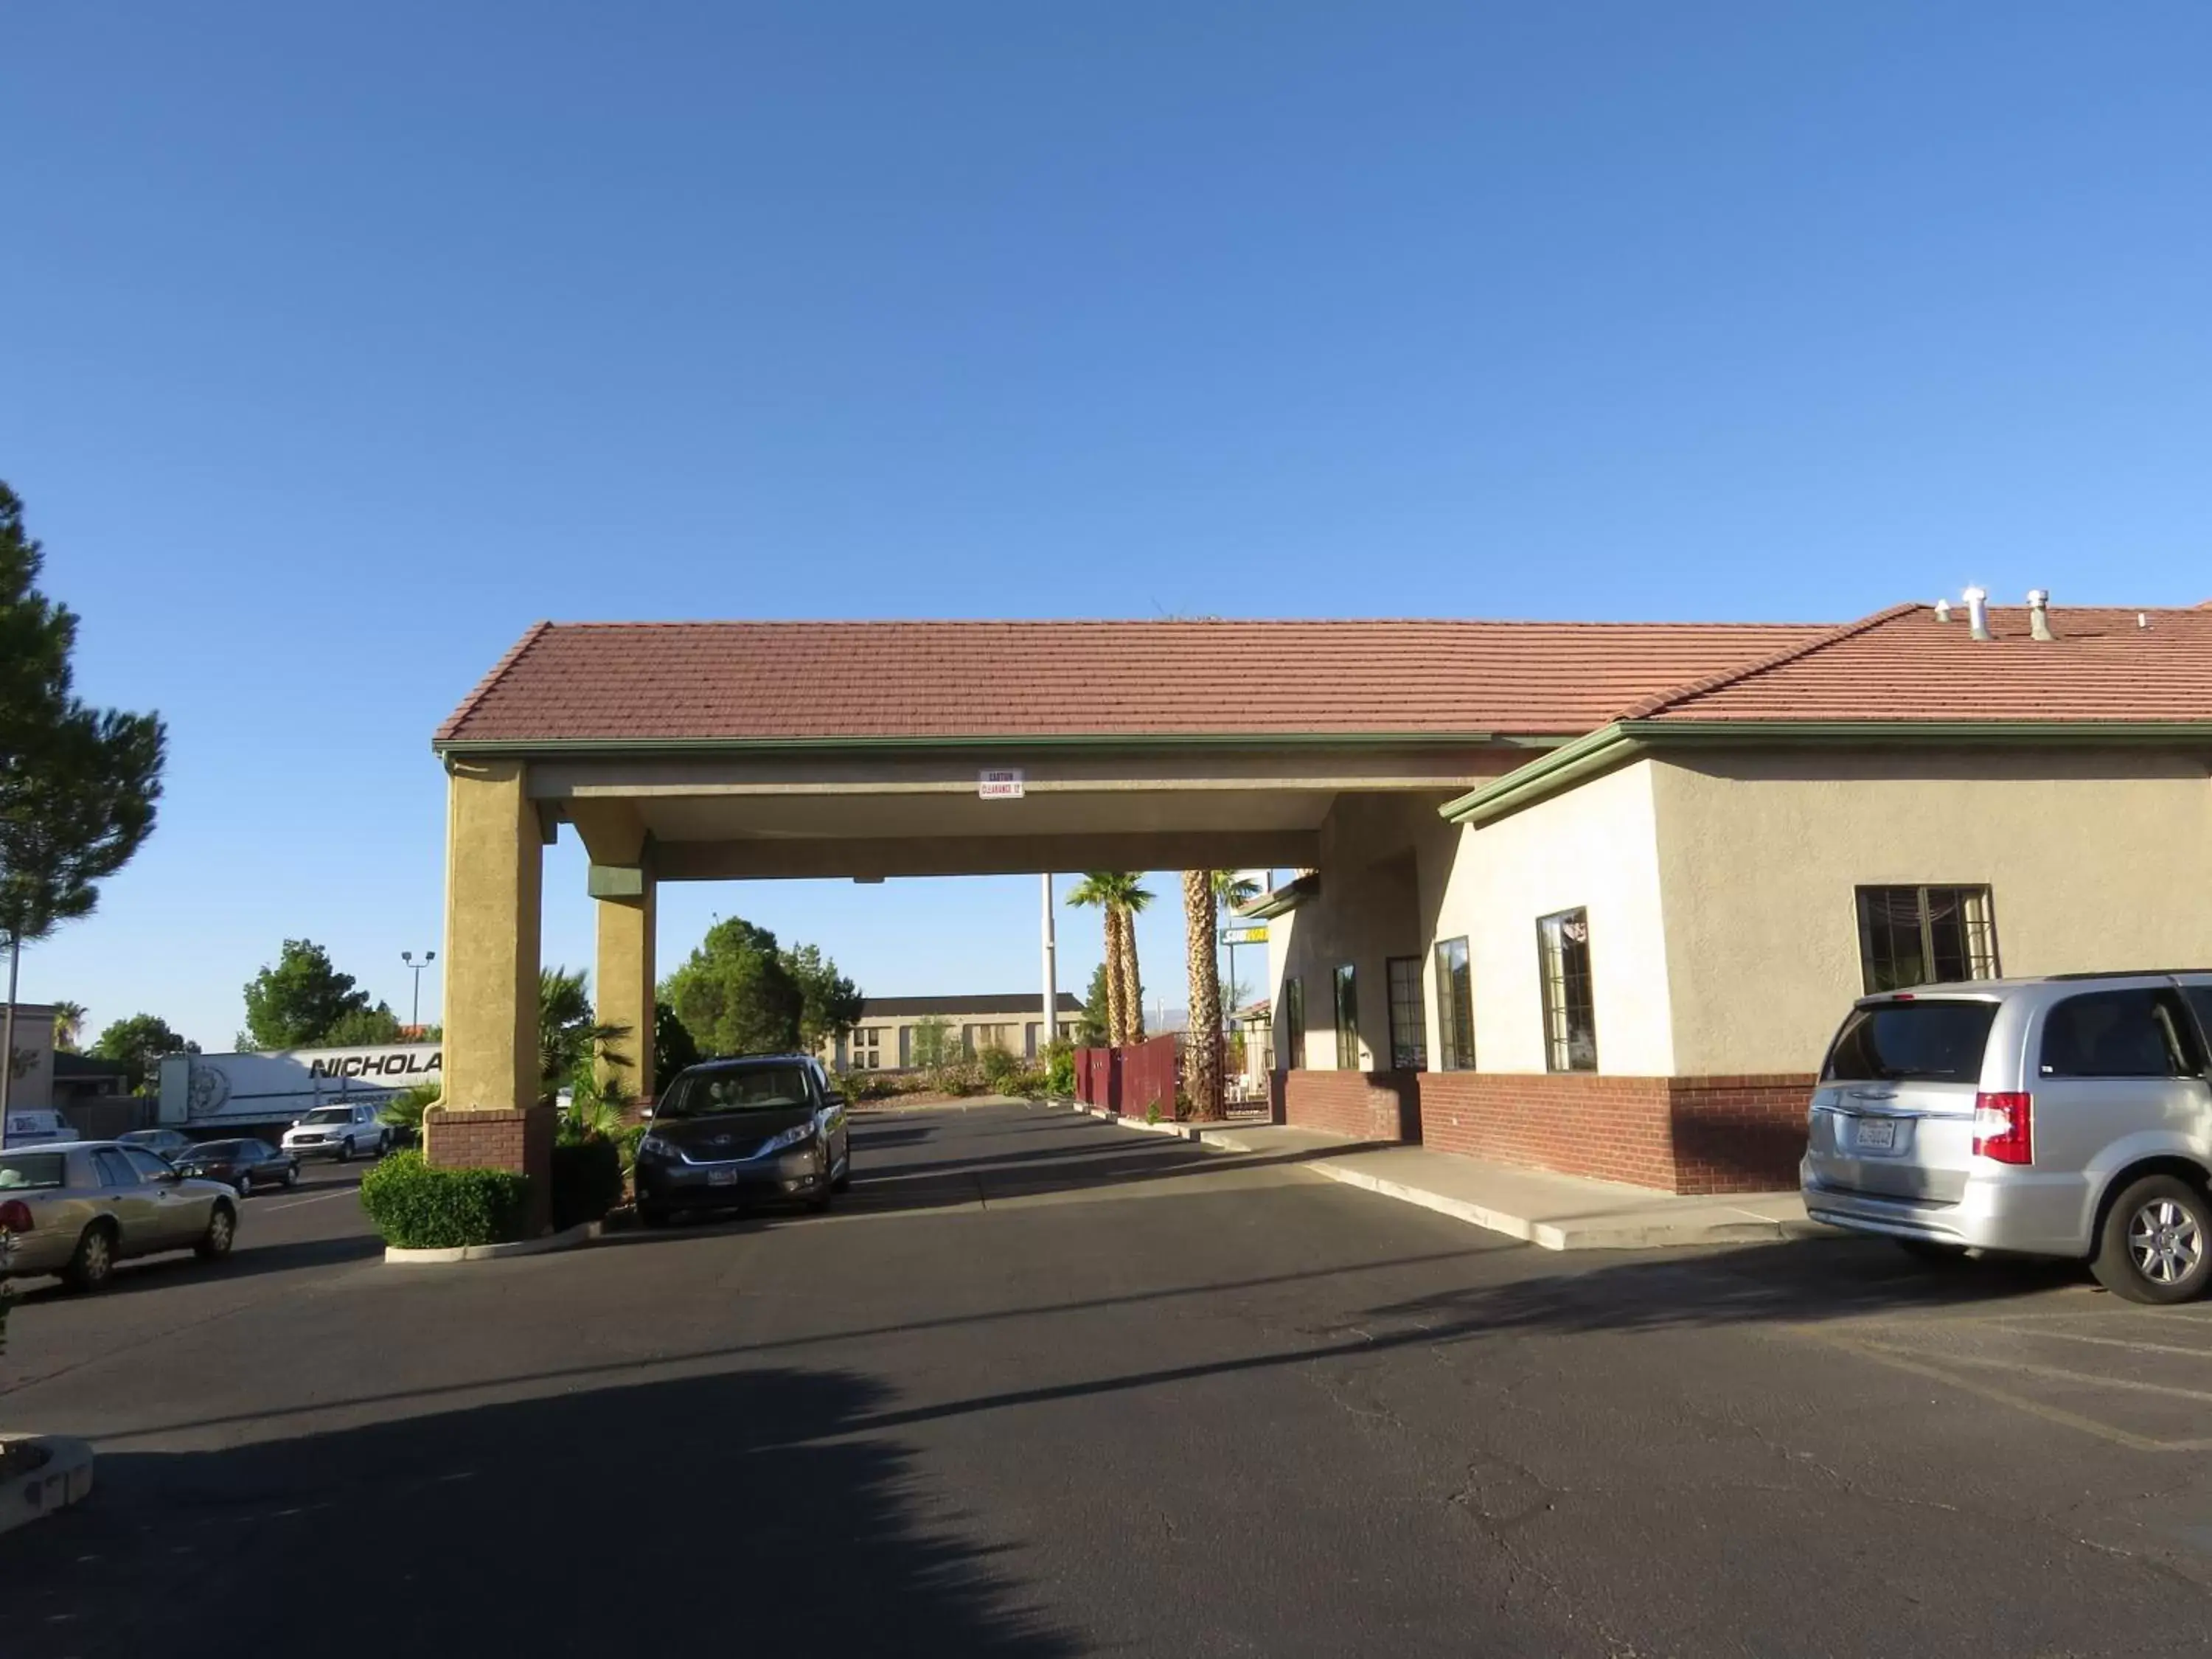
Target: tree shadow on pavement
[(730, 1513)]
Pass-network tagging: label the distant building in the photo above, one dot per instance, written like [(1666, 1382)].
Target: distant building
[(884, 1037)]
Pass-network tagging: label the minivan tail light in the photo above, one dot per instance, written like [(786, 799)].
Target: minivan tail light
[(2004, 1127)]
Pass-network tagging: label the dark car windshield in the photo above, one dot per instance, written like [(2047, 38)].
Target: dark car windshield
[(144, 1138), (329, 1114), (737, 1089), (214, 1150), (1931, 1041), (21, 1170)]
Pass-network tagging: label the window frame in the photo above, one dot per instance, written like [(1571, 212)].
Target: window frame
[(1987, 956), (1555, 990), (1455, 1009), (1401, 985), (1344, 1005)]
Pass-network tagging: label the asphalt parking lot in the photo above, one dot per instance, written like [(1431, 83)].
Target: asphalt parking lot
[(1042, 1386)]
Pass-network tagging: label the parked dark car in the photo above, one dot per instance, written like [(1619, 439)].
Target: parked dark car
[(172, 1144), (241, 1165), (735, 1132)]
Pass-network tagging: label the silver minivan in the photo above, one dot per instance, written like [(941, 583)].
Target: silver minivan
[(2065, 1116)]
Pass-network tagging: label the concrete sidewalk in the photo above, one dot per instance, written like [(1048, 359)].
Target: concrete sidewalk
[(1557, 1211)]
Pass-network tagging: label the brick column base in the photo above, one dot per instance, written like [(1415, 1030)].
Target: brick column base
[(520, 1140)]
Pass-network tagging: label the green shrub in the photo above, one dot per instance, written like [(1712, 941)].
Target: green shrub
[(956, 1077), (1060, 1069), (1152, 1113), (1000, 1067), (587, 1181), (417, 1207)]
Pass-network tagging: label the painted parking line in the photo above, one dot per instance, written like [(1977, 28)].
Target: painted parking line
[(2111, 1432), (312, 1198)]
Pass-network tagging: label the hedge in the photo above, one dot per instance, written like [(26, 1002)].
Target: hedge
[(587, 1181), (417, 1207)]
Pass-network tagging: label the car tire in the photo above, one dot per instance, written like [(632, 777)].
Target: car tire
[(292, 1174), (221, 1233), (2156, 1244), (345, 1150), (652, 1215), (245, 1185), (844, 1179), (92, 1263)]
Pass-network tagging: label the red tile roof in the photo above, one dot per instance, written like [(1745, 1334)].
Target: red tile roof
[(1903, 665), (741, 680)]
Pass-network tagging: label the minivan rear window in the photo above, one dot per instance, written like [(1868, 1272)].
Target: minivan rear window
[(1927, 1039)]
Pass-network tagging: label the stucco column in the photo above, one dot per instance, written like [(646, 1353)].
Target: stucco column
[(493, 873), (625, 980)]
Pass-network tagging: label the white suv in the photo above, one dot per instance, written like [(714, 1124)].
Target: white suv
[(339, 1132)]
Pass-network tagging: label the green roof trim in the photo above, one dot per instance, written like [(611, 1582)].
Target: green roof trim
[(1283, 900), (1623, 741)]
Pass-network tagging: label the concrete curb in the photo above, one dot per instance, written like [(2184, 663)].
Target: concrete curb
[(1627, 1233), (64, 1478), (583, 1233)]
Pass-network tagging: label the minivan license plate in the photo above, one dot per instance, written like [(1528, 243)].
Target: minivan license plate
[(1876, 1135), (721, 1177)]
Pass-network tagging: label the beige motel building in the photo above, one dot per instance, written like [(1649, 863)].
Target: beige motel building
[(885, 1038), (1582, 896)]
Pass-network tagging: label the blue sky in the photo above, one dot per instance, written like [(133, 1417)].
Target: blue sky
[(344, 342)]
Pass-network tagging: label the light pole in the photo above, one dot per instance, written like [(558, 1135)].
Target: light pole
[(414, 1012)]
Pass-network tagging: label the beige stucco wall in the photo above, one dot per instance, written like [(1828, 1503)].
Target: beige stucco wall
[(2094, 859), (1592, 847), (1369, 908)]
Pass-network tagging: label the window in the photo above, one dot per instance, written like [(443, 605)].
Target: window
[(1292, 1057), (1932, 1041), (2199, 997), (2118, 1034), (975, 1039), (1029, 1039), (1346, 991), (1409, 1025), (868, 1048), (151, 1167), (1455, 1005), (1925, 936), (20, 1171), (113, 1168), (1569, 1007), (906, 1047)]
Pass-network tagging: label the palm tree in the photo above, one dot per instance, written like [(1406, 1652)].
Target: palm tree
[(68, 1026), (1119, 894), (1232, 891), (1202, 1044)]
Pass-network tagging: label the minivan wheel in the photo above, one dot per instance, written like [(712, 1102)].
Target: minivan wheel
[(2156, 1245), (94, 1262)]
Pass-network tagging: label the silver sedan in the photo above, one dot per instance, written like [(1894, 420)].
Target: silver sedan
[(78, 1208)]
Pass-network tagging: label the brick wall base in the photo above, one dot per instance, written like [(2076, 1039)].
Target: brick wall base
[(1364, 1105), (519, 1139), (1679, 1134)]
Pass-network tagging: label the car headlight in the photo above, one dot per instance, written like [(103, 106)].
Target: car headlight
[(791, 1137), (654, 1146)]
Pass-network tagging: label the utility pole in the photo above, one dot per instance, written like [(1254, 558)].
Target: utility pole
[(8, 1036), (1051, 971), (415, 1011)]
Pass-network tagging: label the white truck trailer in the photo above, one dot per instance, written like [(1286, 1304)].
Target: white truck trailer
[(205, 1095)]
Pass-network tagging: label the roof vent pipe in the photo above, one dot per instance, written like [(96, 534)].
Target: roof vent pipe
[(1942, 611), (2038, 613), (1978, 611)]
